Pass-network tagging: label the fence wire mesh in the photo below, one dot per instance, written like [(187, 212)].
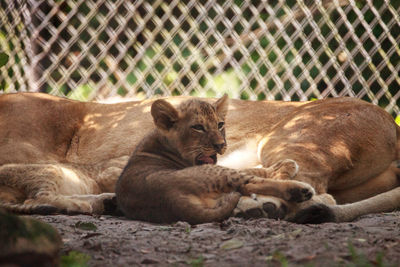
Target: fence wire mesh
[(290, 50)]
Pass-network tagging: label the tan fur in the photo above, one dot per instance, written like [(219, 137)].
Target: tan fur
[(344, 148)]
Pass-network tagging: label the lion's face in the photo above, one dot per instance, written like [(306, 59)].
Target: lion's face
[(196, 129), (201, 133)]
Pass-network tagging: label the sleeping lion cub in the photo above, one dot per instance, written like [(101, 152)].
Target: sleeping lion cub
[(172, 175)]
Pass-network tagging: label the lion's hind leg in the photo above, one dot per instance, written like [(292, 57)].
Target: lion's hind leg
[(12, 200), (11, 195), (43, 189), (200, 209)]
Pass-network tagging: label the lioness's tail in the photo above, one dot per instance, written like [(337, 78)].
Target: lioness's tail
[(41, 209), (319, 213)]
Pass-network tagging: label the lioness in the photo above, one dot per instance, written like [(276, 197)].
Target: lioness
[(171, 175), (60, 155)]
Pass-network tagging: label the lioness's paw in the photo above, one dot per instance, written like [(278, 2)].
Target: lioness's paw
[(35, 207), (74, 207), (317, 213), (111, 207), (260, 207), (299, 192), (45, 210), (104, 203)]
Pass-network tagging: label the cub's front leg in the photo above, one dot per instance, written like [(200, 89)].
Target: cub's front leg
[(210, 193)]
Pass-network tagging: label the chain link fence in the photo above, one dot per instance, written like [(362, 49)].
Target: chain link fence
[(289, 50)]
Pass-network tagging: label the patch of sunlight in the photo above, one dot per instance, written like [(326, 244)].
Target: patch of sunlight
[(397, 120), (243, 157), (294, 122), (81, 93), (227, 82), (71, 175), (340, 150)]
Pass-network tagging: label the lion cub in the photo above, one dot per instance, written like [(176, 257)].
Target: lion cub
[(172, 174)]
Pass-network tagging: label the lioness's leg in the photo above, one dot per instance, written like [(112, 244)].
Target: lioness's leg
[(48, 188)]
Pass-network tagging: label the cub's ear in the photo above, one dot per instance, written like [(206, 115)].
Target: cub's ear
[(222, 105), (164, 114)]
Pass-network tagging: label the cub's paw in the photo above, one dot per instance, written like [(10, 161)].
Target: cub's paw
[(299, 192), (260, 207)]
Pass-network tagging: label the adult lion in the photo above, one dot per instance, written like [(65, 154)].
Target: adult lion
[(60, 155)]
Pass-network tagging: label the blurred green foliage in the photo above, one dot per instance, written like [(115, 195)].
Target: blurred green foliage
[(3, 59), (75, 259), (198, 262)]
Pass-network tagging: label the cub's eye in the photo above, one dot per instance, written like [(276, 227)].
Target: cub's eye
[(221, 125), (198, 127)]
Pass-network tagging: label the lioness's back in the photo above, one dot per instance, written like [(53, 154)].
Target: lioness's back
[(37, 127)]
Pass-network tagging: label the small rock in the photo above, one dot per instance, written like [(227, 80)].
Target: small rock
[(149, 261), (232, 244), (27, 242)]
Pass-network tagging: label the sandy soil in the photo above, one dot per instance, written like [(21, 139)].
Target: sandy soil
[(372, 240)]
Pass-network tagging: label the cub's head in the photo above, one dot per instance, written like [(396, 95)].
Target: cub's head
[(196, 129)]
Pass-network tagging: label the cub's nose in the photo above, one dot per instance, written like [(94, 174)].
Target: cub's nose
[(219, 147)]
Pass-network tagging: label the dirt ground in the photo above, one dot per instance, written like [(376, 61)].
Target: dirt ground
[(373, 240)]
